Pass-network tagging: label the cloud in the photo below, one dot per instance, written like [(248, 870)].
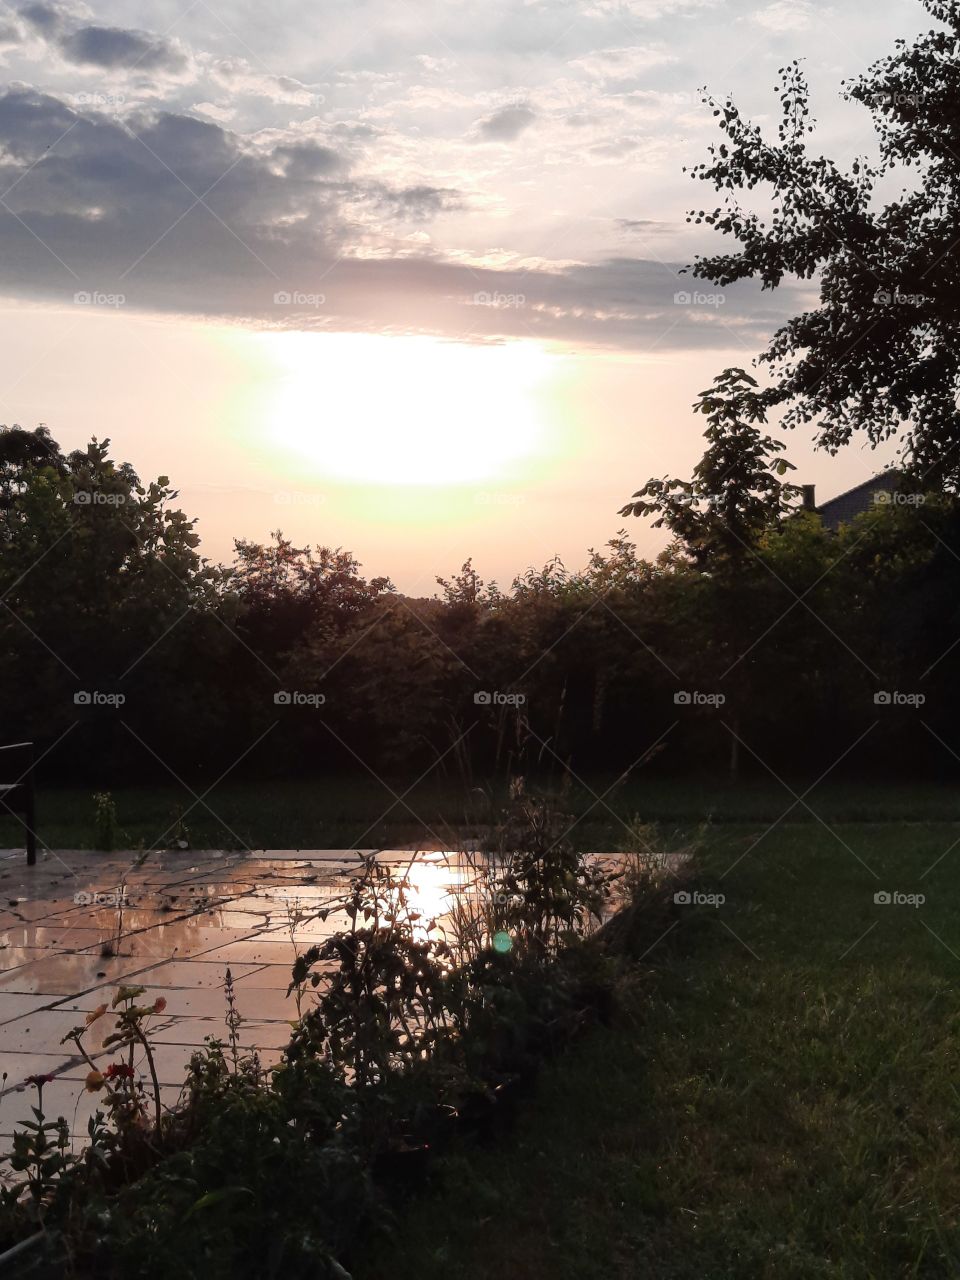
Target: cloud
[(155, 60), (11, 32), (214, 111), (785, 16), (305, 161), (507, 123), (118, 48), (643, 226), (236, 76), (626, 63), (109, 48), (643, 10), (182, 215), (419, 203), (46, 19), (167, 185)]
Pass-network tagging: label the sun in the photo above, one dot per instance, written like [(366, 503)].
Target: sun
[(404, 410)]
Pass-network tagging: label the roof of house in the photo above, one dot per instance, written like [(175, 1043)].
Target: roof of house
[(845, 506)]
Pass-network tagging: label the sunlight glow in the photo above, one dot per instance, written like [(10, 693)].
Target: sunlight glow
[(405, 410)]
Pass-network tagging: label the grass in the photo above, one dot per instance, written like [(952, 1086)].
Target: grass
[(779, 1099), (338, 812)]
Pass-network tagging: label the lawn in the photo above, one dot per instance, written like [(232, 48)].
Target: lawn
[(778, 1099), (345, 812)]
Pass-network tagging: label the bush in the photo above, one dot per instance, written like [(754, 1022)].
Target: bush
[(262, 1173)]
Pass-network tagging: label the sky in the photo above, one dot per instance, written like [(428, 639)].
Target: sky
[(402, 276)]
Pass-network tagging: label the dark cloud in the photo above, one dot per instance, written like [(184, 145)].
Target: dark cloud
[(507, 123), (418, 204), (307, 161), (616, 148), (101, 194), (118, 48), (11, 32), (44, 18), (643, 226), (92, 45), (181, 215)]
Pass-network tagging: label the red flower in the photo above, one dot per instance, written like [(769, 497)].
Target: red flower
[(39, 1081), (119, 1071)]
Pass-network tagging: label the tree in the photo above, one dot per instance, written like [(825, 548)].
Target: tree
[(286, 591), (736, 493), (21, 452), (880, 355), (103, 590)]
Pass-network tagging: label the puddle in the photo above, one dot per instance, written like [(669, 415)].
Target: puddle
[(78, 924)]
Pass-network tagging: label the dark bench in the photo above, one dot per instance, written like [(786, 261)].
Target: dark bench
[(17, 797)]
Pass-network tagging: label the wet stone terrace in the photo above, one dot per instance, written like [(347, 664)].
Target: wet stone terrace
[(65, 946)]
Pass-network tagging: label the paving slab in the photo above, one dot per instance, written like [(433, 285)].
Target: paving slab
[(176, 921), (81, 922)]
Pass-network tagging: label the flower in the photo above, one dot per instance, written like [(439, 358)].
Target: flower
[(127, 993), (96, 1013), (39, 1081), (95, 1081), (159, 1004), (118, 1071)]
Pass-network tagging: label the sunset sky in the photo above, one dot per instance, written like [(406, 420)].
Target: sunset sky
[(396, 275)]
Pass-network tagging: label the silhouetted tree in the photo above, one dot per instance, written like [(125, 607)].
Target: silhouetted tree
[(736, 493), (718, 517), (287, 591), (880, 354)]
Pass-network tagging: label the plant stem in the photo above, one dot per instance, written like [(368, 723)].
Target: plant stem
[(153, 1073)]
